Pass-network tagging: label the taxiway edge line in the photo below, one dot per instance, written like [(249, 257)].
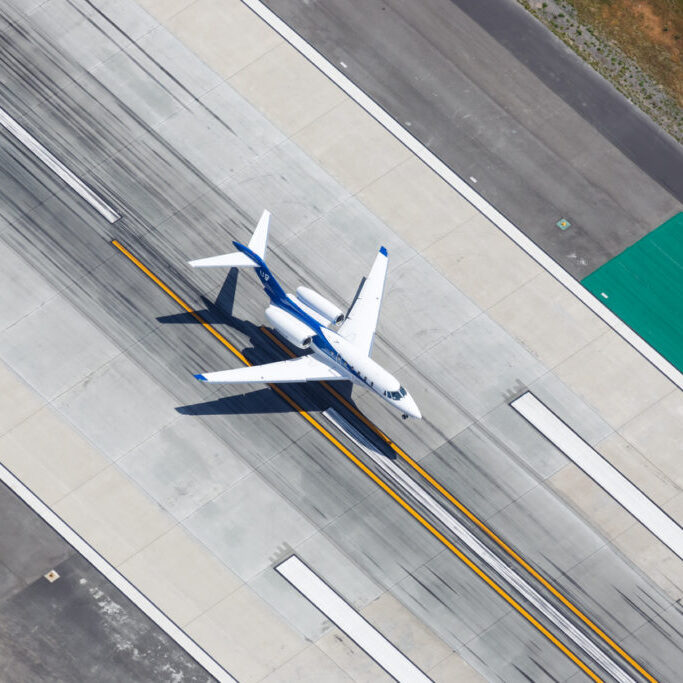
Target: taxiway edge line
[(600, 470), (474, 519), (172, 630), (368, 472), (326, 599), (57, 167), (465, 190)]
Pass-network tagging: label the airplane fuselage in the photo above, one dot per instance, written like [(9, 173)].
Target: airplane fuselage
[(328, 346)]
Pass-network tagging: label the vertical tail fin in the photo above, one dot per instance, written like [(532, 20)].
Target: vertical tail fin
[(238, 259), (259, 239)]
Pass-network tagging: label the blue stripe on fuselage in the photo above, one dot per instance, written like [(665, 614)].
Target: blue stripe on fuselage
[(270, 284), (278, 298)]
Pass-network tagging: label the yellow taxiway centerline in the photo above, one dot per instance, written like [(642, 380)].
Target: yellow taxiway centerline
[(354, 459), (472, 517)]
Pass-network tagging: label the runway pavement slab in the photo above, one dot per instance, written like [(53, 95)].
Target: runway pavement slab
[(660, 446), (311, 664), (345, 653), (118, 530), (608, 361), (50, 452), (77, 626), (291, 103), (592, 501), (246, 635), (219, 524), (479, 260), (366, 533), (431, 203), (559, 324), (175, 465), (500, 99), (167, 570)]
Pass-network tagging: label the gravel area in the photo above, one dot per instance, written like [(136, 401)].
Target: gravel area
[(610, 61)]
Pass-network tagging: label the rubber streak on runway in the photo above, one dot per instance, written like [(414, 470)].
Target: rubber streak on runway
[(188, 164), (568, 629)]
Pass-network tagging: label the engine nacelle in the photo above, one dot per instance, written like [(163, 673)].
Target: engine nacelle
[(320, 304), (289, 327), (308, 310)]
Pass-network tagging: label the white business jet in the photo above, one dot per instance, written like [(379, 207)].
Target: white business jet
[(305, 319)]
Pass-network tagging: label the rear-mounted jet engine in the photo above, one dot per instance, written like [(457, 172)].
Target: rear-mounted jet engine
[(331, 313), (291, 328)]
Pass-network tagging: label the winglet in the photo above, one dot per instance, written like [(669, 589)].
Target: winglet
[(383, 251), (201, 378)]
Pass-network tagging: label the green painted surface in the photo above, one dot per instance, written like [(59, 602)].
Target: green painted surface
[(644, 287)]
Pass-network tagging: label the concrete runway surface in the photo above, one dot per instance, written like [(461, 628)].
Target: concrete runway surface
[(78, 627), (497, 97), (194, 492)]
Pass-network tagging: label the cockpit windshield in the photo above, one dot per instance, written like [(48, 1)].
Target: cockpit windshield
[(396, 395)]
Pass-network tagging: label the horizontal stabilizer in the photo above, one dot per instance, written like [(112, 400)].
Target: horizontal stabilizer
[(235, 260), (304, 369), (238, 259)]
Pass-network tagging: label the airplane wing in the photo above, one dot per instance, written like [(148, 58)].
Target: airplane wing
[(359, 326), (305, 369)]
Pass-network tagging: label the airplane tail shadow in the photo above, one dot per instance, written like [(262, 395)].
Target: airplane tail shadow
[(225, 301)]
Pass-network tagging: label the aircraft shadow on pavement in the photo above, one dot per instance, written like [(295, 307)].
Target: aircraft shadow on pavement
[(309, 396), (260, 401)]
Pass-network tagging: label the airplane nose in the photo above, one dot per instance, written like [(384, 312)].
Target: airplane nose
[(410, 407)]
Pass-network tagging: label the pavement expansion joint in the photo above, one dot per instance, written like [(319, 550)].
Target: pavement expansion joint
[(172, 129), (547, 611)]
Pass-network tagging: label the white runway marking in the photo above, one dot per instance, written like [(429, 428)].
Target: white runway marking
[(600, 471), (514, 233), (337, 610), (116, 578), (57, 167), (409, 485)]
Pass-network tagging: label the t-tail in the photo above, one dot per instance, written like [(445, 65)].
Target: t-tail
[(251, 256), (241, 259)]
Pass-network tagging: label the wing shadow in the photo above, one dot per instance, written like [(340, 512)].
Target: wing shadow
[(309, 396), (260, 401)]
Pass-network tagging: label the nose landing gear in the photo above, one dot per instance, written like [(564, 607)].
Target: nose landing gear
[(404, 416)]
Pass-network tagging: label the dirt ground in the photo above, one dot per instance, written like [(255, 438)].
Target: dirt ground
[(635, 44), (650, 31)]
